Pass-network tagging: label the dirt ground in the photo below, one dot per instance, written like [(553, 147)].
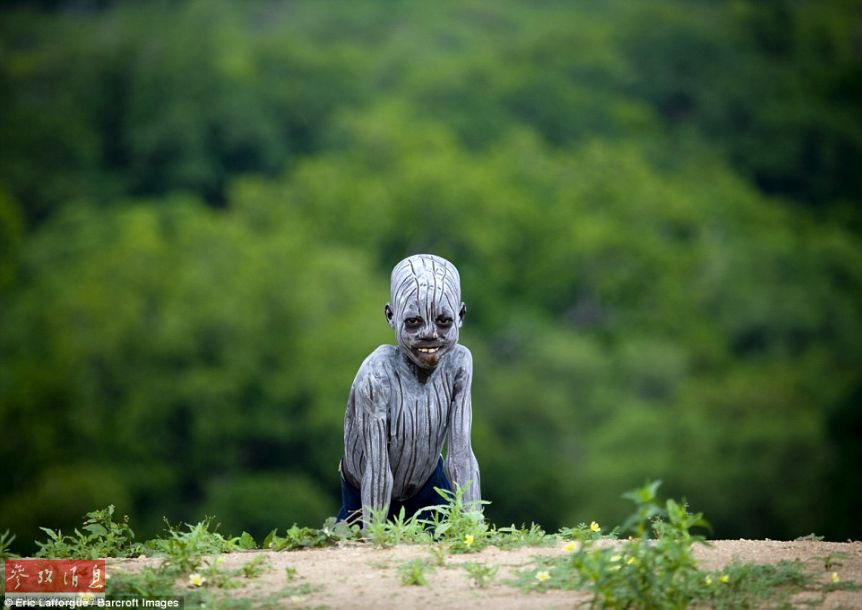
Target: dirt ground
[(359, 576)]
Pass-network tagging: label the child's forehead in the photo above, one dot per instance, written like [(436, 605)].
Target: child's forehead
[(426, 294), (425, 303)]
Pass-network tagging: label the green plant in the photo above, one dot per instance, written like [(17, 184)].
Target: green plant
[(642, 572), (831, 560), (186, 548), (297, 537), (457, 522), (482, 574), (414, 572), (102, 537), (385, 532), (148, 582), (513, 537), (438, 553), (255, 567), (745, 585), (656, 568), (812, 537), (6, 541)]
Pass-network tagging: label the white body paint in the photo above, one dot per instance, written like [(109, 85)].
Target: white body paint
[(407, 399)]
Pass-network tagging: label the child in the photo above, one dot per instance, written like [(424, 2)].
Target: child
[(407, 398)]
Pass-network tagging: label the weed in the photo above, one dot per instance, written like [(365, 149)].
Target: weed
[(306, 537), (438, 552), (148, 582), (745, 585), (831, 560), (413, 572), (482, 574), (656, 567), (185, 549), (459, 523), (255, 567), (6, 541), (812, 537), (389, 532), (514, 538), (102, 537)]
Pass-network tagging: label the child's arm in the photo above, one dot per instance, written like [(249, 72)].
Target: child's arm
[(372, 400), (460, 461)]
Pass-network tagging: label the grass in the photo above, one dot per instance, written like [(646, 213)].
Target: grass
[(481, 574), (655, 566), (652, 567), (414, 572)]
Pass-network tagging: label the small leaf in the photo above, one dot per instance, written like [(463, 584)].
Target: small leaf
[(51, 533), (96, 529), (246, 541), (270, 537)]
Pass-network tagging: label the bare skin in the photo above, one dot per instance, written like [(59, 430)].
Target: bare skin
[(407, 399)]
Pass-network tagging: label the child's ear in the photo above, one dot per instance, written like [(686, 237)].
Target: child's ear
[(462, 313), (390, 317)]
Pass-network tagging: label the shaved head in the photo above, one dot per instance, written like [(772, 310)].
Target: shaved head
[(425, 308), (425, 278)]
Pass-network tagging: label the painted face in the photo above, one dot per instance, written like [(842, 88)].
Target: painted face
[(425, 309)]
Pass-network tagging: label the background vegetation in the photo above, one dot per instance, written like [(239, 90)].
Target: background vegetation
[(655, 208)]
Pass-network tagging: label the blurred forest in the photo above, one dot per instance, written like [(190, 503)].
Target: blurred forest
[(656, 208)]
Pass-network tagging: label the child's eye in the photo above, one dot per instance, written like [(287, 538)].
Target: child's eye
[(413, 322), (444, 321)]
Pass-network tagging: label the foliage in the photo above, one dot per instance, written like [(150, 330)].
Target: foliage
[(656, 567), (481, 573), (655, 209), (6, 541), (297, 537), (512, 537), (102, 537), (459, 523), (186, 548), (414, 572), (385, 532)]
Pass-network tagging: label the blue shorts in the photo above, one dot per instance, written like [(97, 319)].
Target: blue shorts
[(351, 498)]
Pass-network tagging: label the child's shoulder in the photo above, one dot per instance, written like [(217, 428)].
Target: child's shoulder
[(379, 361), (384, 355), (461, 356), (372, 378)]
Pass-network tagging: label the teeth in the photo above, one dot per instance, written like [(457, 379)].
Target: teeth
[(429, 350)]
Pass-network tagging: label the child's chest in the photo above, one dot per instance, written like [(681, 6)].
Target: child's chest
[(419, 413)]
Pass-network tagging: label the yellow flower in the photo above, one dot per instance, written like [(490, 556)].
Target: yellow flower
[(835, 577), (595, 527), (632, 561), (196, 580), (724, 578), (571, 547), (468, 539), (616, 557), (707, 580), (542, 575)]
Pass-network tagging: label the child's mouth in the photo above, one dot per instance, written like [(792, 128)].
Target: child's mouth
[(427, 350)]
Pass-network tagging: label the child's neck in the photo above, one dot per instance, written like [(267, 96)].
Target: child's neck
[(421, 375)]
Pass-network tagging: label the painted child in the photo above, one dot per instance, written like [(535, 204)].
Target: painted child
[(408, 398)]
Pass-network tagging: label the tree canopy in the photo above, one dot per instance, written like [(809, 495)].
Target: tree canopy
[(655, 209)]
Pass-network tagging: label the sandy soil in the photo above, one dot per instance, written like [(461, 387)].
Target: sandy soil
[(359, 576)]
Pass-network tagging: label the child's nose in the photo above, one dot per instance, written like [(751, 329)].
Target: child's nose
[(429, 332)]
